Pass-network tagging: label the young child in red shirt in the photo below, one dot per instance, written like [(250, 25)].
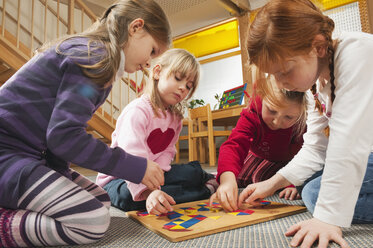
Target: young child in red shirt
[(266, 137)]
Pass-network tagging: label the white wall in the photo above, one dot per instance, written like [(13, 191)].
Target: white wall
[(218, 76)]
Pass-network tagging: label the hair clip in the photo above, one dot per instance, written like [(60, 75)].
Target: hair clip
[(107, 12)]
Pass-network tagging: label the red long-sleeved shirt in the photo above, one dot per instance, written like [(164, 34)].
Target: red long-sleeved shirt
[(252, 134)]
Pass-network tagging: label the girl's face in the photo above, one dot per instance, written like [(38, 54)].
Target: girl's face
[(172, 89), (140, 48), (280, 118), (298, 73)]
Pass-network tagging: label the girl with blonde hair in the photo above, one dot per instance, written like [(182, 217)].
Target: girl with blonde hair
[(44, 109), (267, 136), (149, 127)]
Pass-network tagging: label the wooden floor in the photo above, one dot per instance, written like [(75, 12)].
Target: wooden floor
[(183, 159)]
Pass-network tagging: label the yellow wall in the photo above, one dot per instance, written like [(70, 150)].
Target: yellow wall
[(212, 40), (330, 4)]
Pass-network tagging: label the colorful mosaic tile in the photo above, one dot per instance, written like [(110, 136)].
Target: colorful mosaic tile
[(184, 222), (241, 212), (203, 207), (214, 217), (144, 214)]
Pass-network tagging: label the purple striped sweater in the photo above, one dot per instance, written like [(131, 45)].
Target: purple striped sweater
[(44, 108)]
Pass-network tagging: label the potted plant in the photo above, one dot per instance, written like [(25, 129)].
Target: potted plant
[(218, 98), (194, 103)]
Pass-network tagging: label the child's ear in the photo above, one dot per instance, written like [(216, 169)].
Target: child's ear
[(320, 44), (157, 71), (135, 26)]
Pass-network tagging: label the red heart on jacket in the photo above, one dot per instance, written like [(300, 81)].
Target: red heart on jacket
[(158, 141)]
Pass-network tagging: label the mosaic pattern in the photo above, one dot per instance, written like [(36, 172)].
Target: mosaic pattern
[(186, 217), (183, 222)]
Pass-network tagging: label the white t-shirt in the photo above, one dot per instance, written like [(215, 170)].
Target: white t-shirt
[(345, 153)]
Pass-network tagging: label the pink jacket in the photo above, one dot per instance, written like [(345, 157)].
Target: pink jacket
[(139, 132)]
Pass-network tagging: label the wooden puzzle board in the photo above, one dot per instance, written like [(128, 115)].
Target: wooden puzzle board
[(214, 221)]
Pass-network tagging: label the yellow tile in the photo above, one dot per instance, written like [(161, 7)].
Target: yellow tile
[(177, 227), (215, 217)]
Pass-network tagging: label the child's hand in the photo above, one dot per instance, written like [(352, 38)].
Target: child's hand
[(227, 192), (154, 176), (307, 232), (289, 194), (158, 202), (255, 193)]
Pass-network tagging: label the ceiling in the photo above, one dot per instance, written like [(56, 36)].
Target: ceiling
[(184, 15)]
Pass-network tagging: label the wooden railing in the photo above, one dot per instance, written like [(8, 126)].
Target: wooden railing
[(27, 24)]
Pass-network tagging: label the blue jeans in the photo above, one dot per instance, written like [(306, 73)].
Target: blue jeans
[(364, 205), (184, 182)]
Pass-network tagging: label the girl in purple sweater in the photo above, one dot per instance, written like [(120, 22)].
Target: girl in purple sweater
[(44, 109)]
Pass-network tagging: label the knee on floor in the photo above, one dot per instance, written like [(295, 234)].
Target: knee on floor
[(93, 227)]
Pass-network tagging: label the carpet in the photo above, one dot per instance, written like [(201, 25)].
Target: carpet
[(124, 232)]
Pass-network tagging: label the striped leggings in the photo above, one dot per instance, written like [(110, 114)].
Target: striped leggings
[(257, 169), (56, 211)]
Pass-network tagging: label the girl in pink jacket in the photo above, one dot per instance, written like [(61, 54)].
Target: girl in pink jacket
[(149, 127)]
